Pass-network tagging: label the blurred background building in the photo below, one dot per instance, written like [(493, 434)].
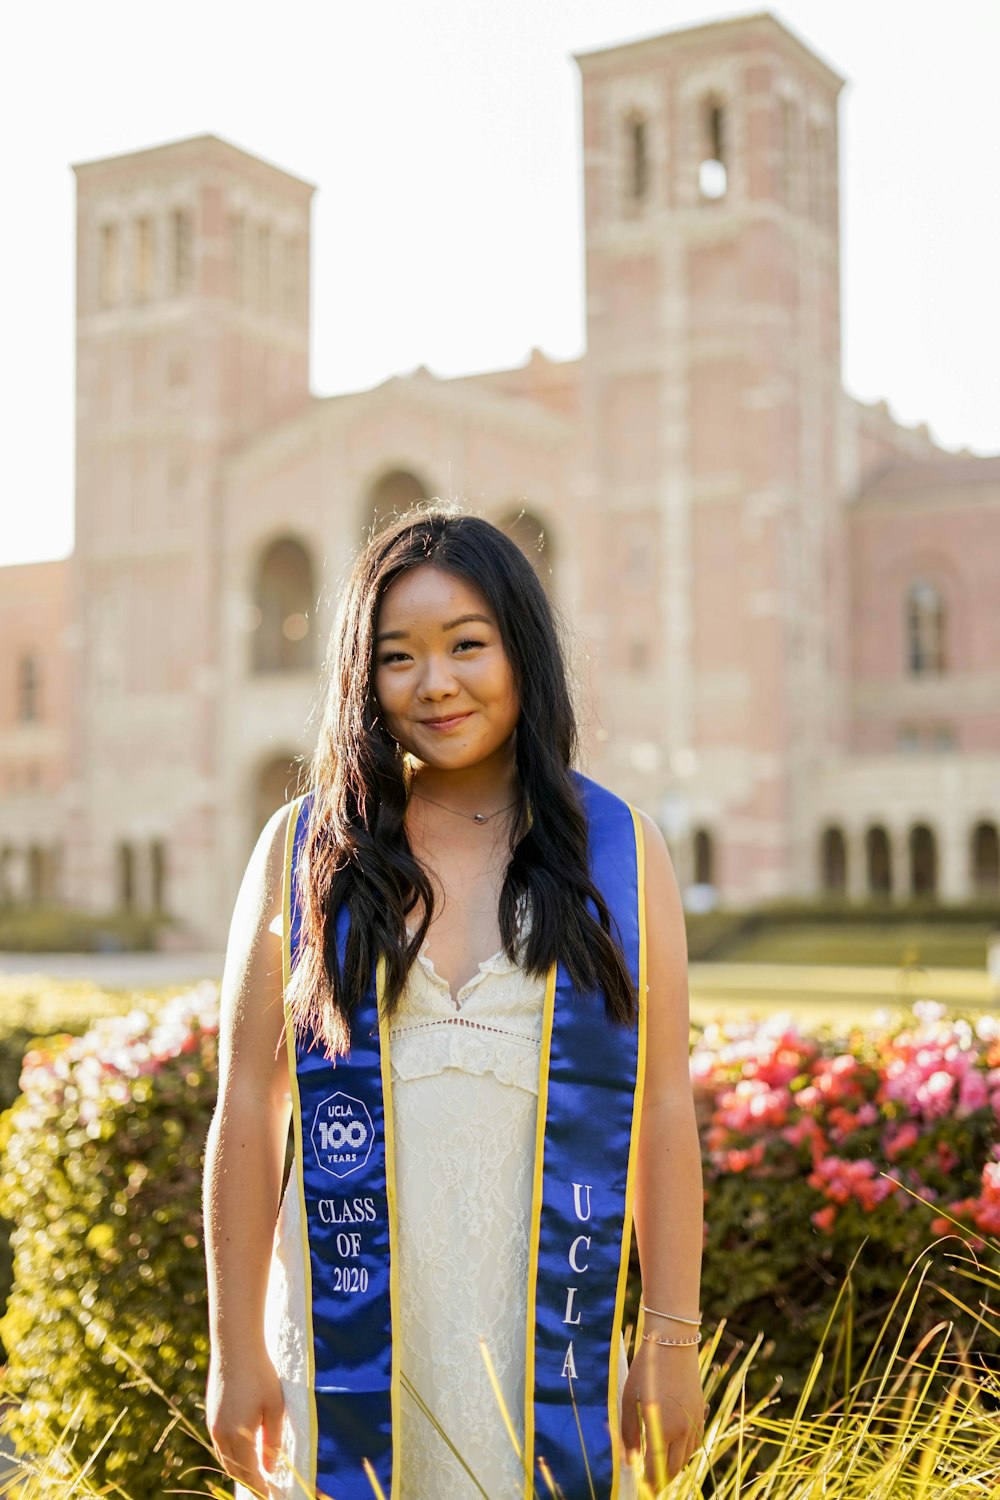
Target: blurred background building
[(783, 603)]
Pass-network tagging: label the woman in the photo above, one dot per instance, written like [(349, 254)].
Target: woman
[(472, 1122)]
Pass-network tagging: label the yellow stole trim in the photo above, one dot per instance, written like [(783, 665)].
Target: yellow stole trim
[(536, 1211), (309, 1474), (390, 1194), (633, 1152), (548, 1010)]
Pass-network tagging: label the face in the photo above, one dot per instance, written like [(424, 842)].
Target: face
[(441, 676)]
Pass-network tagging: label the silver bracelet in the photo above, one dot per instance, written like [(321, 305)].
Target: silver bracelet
[(676, 1343), (693, 1322)]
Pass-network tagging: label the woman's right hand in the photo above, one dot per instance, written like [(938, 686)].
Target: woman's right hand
[(243, 1398)]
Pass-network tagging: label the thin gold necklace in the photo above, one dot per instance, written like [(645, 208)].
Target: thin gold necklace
[(477, 817)]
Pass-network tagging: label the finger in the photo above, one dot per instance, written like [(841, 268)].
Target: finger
[(693, 1446), (677, 1455), (631, 1436), (271, 1431), (248, 1476), (656, 1448), (690, 1442), (239, 1459)]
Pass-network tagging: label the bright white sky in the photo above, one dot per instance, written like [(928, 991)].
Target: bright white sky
[(443, 136)]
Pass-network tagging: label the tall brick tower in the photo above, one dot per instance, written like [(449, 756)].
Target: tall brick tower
[(192, 332), (713, 324)]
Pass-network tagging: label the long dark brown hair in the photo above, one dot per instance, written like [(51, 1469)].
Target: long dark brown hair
[(355, 851)]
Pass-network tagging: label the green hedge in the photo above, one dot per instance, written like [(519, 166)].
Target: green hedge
[(102, 1174), (27, 1011), (55, 929)]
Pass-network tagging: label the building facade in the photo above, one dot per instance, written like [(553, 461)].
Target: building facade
[(780, 603)]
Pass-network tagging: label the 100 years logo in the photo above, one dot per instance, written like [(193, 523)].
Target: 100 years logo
[(342, 1135)]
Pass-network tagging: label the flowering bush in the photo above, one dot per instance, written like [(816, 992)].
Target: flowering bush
[(102, 1178), (813, 1145)]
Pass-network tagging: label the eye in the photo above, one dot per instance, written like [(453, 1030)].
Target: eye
[(468, 642), (390, 657)]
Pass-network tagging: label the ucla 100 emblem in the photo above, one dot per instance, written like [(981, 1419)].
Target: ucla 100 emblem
[(342, 1135)]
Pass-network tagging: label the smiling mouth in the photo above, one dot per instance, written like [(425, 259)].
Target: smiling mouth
[(444, 723)]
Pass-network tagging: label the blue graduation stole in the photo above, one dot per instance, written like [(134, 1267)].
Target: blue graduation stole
[(589, 1102)]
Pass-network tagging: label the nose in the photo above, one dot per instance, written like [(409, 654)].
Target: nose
[(437, 680)]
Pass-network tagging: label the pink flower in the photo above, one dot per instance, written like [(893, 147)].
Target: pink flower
[(804, 1129), (825, 1218), (936, 1094), (972, 1092), (905, 1137), (739, 1161)]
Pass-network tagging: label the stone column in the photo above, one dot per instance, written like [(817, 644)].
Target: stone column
[(899, 847)]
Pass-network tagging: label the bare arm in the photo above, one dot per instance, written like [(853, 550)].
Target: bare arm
[(669, 1190), (243, 1166)]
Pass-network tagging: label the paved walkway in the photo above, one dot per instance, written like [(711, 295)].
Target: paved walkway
[(117, 970)]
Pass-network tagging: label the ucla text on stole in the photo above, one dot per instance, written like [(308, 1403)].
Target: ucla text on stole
[(362, 1210)]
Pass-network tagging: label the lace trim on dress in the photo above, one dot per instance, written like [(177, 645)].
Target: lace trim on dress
[(496, 1029), (430, 1047), (497, 963)]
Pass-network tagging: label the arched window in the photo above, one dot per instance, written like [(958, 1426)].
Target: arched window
[(283, 639), (238, 256), (534, 539), (925, 624), (819, 176), (126, 876), (637, 160), (43, 872), (27, 690), (390, 496), (833, 862), (278, 781), (704, 857), (293, 278), (36, 875), (109, 265), (713, 177), (181, 252), (923, 861), (158, 875), (789, 153), (143, 268), (878, 861), (985, 860)]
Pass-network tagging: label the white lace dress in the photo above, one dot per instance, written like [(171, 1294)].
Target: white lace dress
[(465, 1094)]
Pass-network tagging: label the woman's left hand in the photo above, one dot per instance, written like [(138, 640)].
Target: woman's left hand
[(665, 1382)]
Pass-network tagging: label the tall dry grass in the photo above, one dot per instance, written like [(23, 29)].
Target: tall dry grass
[(918, 1423)]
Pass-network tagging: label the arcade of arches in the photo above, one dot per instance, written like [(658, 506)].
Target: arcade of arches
[(903, 862), (32, 876)]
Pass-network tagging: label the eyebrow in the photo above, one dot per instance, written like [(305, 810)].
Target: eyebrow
[(402, 635)]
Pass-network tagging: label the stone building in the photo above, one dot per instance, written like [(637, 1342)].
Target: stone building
[(783, 603)]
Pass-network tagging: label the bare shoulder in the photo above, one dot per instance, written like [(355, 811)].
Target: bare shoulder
[(260, 895), (666, 971), (252, 998), (664, 907)]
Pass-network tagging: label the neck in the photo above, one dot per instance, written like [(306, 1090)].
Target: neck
[(485, 787)]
